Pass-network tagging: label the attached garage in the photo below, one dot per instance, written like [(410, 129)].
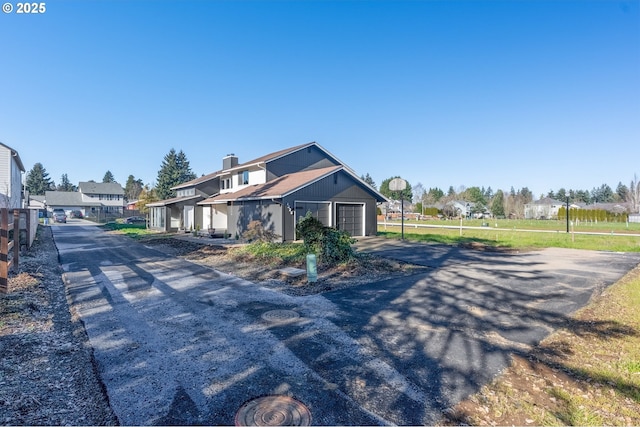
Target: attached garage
[(319, 210), (350, 218)]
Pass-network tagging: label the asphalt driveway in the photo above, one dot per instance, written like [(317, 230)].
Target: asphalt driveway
[(177, 343)]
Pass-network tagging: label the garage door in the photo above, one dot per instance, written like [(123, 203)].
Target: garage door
[(319, 210), (350, 218)]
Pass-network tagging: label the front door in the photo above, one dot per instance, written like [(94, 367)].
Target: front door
[(188, 218)]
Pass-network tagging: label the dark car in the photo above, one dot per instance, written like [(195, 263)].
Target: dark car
[(135, 220), (76, 214), (60, 217)]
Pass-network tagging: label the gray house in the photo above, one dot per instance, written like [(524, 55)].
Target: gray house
[(277, 190)]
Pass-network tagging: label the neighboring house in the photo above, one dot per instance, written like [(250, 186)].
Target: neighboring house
[(277, 189), (11, 170), (634, 217), (545, 208), (616, 208), (393, 209), (92, 199), (36, 203)]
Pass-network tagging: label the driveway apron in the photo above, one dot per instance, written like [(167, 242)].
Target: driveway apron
[(177, 343)]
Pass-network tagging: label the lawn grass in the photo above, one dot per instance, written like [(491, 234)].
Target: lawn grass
[(135, 231), (532, 224), (272, 253), (514, 239)]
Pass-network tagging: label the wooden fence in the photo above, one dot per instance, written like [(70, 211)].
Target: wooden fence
[(12, 222)]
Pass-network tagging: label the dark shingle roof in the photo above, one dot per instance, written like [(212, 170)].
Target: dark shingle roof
[(276, 188)]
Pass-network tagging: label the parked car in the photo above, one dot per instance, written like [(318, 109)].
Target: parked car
[(76, 214), (135, 220), (60, 217)]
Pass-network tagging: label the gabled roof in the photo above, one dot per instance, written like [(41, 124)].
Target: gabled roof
[(173, 200), (548, 201), (199, 180), (262, 159), (66, 198), (275, 189), (100, 188), (15, 155)]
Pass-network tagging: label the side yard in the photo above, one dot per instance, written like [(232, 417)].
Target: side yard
[(47, 375)]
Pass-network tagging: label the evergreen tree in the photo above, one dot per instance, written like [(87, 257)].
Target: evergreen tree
[(367, 178), (108, 177), (497, 204), (434, 195), (475, 195), (561, 195), (622, 192), (132, 188), (175, 170), (65, 184), (526, 195), (38, 180)]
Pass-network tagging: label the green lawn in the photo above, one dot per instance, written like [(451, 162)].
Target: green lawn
[(508, 233)]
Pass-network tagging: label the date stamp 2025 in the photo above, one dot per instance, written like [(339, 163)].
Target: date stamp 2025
[(25, 8)]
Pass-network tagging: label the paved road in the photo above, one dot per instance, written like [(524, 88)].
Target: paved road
[(177, 343)]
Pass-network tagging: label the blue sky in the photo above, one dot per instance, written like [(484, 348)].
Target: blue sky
[(497, 94)]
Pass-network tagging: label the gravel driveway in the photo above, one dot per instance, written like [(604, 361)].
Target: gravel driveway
[(178, 343)]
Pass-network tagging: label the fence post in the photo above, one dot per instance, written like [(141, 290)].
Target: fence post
[(4, 250), (16, 240), (27, 222)]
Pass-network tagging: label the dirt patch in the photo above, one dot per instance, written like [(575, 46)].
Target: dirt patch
[(47, 376), (365, 269)]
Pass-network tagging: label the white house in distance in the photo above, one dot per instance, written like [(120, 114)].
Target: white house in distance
[(11, 170), (92, 199)]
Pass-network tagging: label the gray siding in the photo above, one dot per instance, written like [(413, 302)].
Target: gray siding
[(307, 158), (343, 189), (242, 213)]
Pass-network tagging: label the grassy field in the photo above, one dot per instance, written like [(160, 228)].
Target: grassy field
[(617, 237)]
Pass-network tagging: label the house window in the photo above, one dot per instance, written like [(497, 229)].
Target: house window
[(226, 183), (244, 178)]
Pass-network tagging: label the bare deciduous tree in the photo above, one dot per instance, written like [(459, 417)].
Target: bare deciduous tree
[(633, 196)]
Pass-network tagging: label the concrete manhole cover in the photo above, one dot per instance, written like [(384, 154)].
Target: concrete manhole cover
[(280, 315), (273, 411)]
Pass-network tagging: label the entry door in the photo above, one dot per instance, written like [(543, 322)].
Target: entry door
[(350, 218), (188, 217)]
